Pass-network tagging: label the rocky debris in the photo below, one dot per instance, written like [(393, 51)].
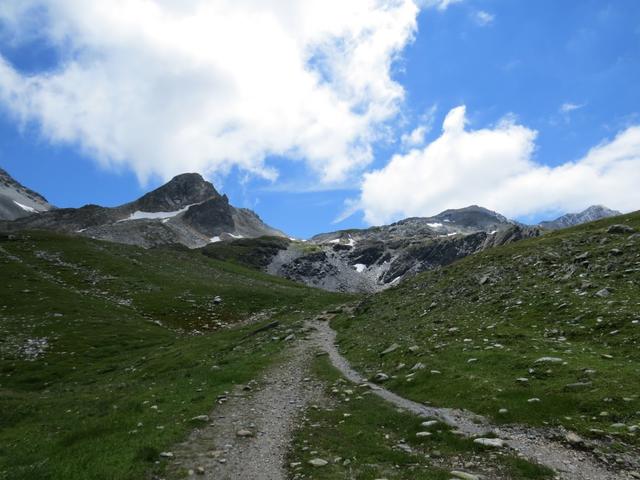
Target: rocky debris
[(620, 229)]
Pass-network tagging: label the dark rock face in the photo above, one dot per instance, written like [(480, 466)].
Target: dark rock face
[(212, 217), (182, 191)]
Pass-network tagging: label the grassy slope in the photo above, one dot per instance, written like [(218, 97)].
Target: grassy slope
[(114, 388), (481, 336), (359, 435)]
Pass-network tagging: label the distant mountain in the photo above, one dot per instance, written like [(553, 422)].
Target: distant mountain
[(17, 201), (375, 258), (593, 213), (187, 210)]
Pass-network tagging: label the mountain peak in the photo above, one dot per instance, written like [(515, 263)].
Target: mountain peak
[(590, 214), (179, 192)]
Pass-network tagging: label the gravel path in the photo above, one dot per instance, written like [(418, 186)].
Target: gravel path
[(532, 444), (268, 411)]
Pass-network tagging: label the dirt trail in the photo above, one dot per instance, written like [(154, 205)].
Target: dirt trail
[(271, 408), (269, 411), (532, 444)]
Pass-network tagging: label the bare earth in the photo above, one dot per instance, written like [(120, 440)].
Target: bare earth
[(272, 406)]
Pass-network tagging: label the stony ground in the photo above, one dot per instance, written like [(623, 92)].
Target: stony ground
[(249, 433)]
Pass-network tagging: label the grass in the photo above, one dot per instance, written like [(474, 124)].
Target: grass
[(359, 434), (249, 252), (480, 324), (107, 351)]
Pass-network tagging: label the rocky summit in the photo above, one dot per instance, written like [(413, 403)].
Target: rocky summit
[(591, 214), (17, 201), (187, 210)]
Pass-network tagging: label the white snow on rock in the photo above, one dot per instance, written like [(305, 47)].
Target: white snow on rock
[(434, 225), (336, 240), (235, 236), (360, 267), (215, 239), (26, 208), (351, 242), (165, 216)]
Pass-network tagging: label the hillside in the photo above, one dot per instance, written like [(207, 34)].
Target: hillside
[(108, 351), (542, 332)]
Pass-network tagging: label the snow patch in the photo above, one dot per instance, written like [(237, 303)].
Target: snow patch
[(434, 225), (81, 230), (448, 235), (351, 242), (215, 239), (360, 267), (493, 232), (235, 236), (337, 240), (26, 208), (164, 216)]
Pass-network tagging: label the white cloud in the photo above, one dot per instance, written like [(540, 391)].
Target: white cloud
[(166, 86), (439, 4), (483, 18), (414, 138), (570, 107), (494, 167)]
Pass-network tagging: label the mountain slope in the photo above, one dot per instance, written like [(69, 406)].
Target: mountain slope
[(594, 212), (542, 332), (187, 210), (108, 351), (17, 201)]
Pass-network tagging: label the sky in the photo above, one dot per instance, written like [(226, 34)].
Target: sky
[(323, 115)]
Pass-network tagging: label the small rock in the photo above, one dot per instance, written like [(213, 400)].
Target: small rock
[(200, 471), (244, 433), (201, 418), (490, 442), (423, 434), (548, 360), (414, 348), (533, 400), (391, 348), (318, 462), (166, 454), (578, 385), (418, 366), (381, 377), (574, 439), (603, 293), (503, 411), (464, 475), (429, 423)]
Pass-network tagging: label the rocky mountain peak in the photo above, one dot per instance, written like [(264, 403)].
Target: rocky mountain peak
[(181, 191), (592, 213)]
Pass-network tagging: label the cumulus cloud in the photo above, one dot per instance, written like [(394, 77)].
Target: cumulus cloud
[(494, 167), (166, 86), (439, 4)]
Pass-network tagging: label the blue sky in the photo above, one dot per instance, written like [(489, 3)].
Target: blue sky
[(543, 83)]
